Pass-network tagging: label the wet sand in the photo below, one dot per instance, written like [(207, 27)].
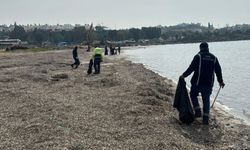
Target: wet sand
[(44, 104)]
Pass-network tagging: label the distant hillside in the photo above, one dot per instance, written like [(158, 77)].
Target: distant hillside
[(68, 34)]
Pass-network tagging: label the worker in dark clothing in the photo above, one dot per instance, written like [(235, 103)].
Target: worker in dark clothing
[(119, 49), (75, 57), (204, 65), (106, 50), (98, 57)]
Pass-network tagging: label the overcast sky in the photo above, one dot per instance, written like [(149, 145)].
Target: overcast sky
[(125, 13)]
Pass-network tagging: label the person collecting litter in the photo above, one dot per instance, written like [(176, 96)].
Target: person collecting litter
[(204, 65), (119, 49), (75, 57), (98, 58)]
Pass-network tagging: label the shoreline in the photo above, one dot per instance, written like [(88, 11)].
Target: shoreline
[(221, 112), (222, 108), (219, 108), (47, 105)]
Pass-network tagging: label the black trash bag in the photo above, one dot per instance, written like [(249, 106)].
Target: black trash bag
[(183, 104), (90, 66)]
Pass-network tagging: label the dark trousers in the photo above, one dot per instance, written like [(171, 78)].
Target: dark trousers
[(76, 63), (205, 93), (106, 52), (97, 64)]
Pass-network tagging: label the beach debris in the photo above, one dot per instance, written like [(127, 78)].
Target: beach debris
[(59, 76)]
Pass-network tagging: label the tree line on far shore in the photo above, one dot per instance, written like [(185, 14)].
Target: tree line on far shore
[(100, 33)]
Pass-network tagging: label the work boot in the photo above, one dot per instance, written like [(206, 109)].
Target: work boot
[(197, 113), (205, 120)]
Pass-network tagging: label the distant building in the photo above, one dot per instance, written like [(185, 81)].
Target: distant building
[(242, 27), (184, 27), (210, 26), (4, 37), (4, 28), (4, 43), (46, 27)]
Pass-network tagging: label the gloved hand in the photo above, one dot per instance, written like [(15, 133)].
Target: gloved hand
[(222, 84), (181, 76)]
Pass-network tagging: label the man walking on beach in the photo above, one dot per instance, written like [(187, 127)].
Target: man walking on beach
[(75, 57), (204, 65), (97, 56)]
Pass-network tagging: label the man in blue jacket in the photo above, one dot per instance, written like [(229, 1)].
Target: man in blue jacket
[(204, 65)]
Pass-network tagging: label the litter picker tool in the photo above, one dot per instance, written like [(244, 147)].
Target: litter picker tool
[(216, 97)]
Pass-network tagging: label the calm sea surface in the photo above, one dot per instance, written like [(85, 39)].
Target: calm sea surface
[(172, 60)]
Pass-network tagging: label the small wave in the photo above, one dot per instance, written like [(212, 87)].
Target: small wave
[(246, 114), (223, 107)]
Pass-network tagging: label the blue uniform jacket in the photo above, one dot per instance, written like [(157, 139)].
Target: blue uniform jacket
[(204, 65)]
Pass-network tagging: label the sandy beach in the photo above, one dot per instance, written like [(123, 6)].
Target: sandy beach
[(44, 104)]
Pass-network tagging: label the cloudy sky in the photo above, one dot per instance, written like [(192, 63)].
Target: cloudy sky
[(125, 13)]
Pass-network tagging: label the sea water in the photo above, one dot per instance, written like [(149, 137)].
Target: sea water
[(172, 60)]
